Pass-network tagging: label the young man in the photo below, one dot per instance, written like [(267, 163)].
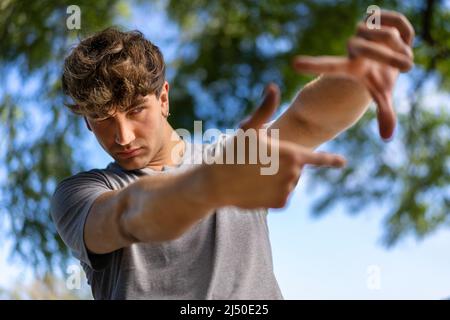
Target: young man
[(155, 224)]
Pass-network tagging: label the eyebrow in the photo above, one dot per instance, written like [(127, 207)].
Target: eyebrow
[(137, 101)]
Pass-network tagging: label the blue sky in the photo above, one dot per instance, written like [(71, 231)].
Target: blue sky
[(326, 258)]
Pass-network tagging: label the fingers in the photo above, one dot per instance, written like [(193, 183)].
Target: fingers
[(400, 22), (323, 64), (321, 159), (385, 111), (359, 47), (265, 110), (385, 35), (386, 117)]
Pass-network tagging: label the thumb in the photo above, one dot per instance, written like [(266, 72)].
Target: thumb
[(265, 110), (321, 64)]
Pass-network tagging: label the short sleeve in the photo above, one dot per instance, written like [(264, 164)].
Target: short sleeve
[(70, 205)]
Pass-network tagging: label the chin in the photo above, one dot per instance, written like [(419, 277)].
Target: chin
[(131, 164)]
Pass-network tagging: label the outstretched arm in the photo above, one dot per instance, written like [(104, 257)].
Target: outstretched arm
[(163, 207), (340, 96)]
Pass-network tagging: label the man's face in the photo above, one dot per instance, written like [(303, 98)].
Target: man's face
[(142, 128)]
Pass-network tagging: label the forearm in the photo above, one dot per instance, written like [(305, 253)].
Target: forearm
[(328, 105), (163, 207)]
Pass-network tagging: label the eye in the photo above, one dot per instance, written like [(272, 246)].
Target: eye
[(137, 110), (101, 119)]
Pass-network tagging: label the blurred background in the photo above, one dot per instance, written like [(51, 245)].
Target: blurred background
[(378, 229)]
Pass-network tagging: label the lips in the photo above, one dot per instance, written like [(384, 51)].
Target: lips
[(129, 154)]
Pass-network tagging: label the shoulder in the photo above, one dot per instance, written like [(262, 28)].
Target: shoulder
[(112, 178), (93, 177)]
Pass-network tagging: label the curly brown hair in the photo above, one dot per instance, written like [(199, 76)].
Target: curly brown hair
[(110, 70)]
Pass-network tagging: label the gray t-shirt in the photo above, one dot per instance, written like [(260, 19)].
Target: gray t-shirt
[(227, 255)]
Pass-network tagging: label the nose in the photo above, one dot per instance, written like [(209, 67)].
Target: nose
[(124, 134)]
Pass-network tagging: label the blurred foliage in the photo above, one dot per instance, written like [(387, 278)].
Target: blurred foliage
[(38, 136), (48, 287), (228, 51), (236, 47)]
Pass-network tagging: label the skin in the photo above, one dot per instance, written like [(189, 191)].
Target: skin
[(144, 126), (375, 58), (163, 207)]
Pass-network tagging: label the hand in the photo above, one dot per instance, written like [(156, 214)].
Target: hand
[(244, 186), (375, 58)]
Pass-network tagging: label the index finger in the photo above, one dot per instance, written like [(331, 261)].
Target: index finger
[(322, 64), (322, 159)]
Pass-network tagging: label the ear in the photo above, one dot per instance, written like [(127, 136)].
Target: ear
[(164, 99), (87, 124)]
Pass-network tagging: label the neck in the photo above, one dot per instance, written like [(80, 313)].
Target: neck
[(171, 152)]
